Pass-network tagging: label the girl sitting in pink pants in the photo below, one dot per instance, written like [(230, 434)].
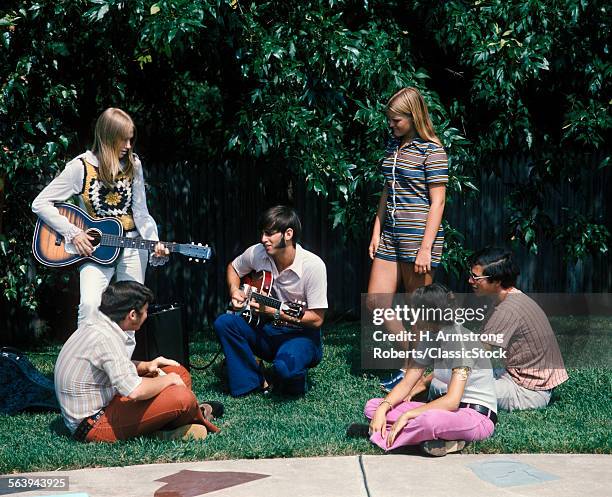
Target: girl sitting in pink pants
[(462, 405)]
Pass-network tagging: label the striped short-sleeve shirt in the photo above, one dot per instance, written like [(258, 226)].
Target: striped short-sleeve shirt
[(410, 170), (93, 366), (534, 360)]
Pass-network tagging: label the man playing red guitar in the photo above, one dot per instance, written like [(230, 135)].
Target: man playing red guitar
[(292, 342)]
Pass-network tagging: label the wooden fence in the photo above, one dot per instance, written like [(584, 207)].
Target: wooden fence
[(220, 205)]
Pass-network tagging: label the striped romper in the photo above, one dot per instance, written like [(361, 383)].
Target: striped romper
[(408, 172)]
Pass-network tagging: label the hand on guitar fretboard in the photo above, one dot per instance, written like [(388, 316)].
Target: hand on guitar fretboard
[(105, 237)]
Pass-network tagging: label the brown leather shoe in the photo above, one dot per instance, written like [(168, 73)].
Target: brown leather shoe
[(186, 432), (211, 409), (439, 448)]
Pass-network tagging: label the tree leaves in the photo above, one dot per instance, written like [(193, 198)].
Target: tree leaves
[(301, 87)]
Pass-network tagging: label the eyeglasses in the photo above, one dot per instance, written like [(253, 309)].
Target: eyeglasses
[(476, 277)]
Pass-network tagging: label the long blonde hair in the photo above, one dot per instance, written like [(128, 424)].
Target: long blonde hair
[(410, 101), (113, 126)]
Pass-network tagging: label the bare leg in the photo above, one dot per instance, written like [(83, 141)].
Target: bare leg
[(384, 280), (413, 280), (384, 277)]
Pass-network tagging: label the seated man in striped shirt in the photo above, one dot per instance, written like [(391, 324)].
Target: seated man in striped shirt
[(104, 396), (534, 365)]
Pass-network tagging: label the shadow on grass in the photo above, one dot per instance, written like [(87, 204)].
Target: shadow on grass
[(347, 341), (343, 340), (406, 450), (555, 398), (346, 338), (58, 427)]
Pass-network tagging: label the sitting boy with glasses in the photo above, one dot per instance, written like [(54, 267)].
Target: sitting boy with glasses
[(534, 365)]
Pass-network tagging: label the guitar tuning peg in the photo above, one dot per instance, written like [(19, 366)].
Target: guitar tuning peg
[(199, 244), (190, 259), (197, 260)]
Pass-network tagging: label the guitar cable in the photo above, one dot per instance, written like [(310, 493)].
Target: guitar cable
[(212, 361), (189, 365), (206, 366)]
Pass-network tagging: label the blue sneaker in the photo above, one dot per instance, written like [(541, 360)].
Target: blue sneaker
[(388, 385)]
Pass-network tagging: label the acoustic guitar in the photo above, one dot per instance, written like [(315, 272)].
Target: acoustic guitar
[(257, 286), (50, 248)]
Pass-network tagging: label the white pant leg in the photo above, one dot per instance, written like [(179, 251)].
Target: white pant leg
[(94, 278), (511, 396), (132, 265)]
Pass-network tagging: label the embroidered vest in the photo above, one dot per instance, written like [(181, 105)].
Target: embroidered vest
[(103, 201)]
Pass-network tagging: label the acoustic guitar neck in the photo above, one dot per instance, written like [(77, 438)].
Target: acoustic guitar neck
[(137, 243)]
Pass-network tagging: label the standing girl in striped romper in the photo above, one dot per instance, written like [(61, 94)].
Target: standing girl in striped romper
[(407, 237)]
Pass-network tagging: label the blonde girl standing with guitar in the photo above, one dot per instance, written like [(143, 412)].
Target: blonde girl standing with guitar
[(108, 181), (407, 236)]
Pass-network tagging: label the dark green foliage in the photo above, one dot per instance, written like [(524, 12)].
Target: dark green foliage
[(298, 88), (538, 78)]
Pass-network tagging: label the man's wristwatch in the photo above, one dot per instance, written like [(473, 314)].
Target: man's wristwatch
[(277, 315)]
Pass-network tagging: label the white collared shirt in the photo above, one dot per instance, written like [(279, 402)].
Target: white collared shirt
[(305, 279)]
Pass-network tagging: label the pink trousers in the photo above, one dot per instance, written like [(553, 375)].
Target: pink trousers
[(462, 424)]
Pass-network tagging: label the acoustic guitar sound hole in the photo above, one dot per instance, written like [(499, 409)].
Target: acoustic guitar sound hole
[(96, 235)]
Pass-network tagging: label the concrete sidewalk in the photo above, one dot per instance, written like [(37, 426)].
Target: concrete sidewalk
[(542, 475)]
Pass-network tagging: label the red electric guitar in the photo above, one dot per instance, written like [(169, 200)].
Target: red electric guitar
[(258, 287)]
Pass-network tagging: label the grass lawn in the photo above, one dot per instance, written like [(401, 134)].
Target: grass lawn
[(578, 420)]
